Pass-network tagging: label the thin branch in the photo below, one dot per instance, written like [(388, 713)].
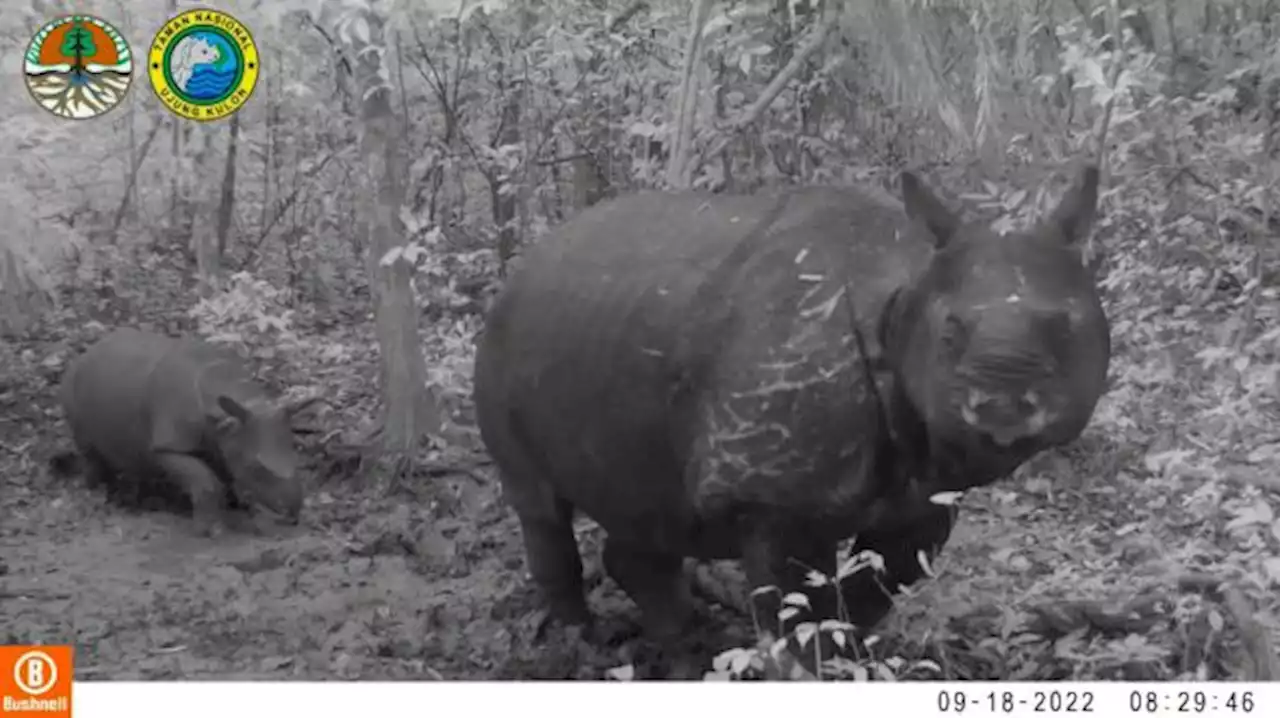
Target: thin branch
[(770, 93), (133, 181)]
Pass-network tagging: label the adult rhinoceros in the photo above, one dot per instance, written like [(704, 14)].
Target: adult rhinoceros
[(760, 377)]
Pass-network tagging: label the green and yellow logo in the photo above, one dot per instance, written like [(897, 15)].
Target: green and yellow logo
[(78, 66), (203, 65)]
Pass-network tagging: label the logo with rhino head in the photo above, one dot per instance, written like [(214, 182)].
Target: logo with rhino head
[(203, 65)]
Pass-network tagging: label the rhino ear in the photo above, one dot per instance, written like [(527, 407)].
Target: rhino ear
[(1079, 207), (224, 425), (924, 207)]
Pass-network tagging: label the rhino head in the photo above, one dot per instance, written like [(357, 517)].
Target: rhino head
[(1001, 345), (255, 441)]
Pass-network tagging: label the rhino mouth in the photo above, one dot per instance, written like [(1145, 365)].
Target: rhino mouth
[(1005, 417)]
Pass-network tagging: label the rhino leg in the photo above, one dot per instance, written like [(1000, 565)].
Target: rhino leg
[(551, 551), (121, 487), (129, 492), (208, 494), (768, 561), (869, 595), (657, 583), (97, 472)]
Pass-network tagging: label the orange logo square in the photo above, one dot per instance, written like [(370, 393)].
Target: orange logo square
[(35, 681)]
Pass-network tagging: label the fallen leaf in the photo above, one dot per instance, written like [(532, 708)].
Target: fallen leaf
[(622, 673), (1039, 485), (1258, 513), (1272, 567), (1266, 453), (275, 663), (1002, 555)]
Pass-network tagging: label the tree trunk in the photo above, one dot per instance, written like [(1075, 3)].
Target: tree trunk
[(502, 195), (407, 413), (680, 168), (200, 215), (588, 185)]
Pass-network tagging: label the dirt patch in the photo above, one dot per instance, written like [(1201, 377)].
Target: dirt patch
[(141, 597), (363, 589)]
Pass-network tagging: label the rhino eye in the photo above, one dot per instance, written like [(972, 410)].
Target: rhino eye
[(1057, 324)]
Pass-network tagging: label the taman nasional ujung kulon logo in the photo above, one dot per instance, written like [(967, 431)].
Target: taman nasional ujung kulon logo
[(203, 65), (78, 66)]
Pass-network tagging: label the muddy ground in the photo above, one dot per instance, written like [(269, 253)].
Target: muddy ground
[(366, 588), (355, 592)]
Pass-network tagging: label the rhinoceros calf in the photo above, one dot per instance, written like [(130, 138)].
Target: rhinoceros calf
[(184, 414), (760, 377)]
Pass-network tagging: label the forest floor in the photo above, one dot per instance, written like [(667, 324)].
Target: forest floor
[(1133, 553)]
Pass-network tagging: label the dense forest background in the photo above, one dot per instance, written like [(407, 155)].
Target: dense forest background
[(348, 227)]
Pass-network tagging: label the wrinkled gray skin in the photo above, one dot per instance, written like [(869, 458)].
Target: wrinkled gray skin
[(146, 409), (684, 369), (1000, 347)]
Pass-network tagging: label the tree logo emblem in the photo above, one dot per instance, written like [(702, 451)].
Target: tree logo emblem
[(203, 65), (78, 66)]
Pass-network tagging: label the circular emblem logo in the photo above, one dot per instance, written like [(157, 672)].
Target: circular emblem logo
[(78, 66), (203, 65), (35, 673)]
